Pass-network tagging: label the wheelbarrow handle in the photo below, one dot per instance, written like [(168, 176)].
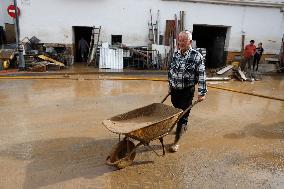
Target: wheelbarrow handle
[(165, 98), (189, 108)]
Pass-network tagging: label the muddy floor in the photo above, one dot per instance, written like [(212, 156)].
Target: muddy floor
[(51, 136)]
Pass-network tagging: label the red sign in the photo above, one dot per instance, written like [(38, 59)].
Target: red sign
[(12, 11)]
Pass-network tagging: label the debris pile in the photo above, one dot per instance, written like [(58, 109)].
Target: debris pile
[(39, 57), (234, 71)]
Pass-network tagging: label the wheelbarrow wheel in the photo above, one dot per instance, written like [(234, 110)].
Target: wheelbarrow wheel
[(120, 157)]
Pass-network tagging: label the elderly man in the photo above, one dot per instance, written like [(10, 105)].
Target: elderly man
[(186, 70)]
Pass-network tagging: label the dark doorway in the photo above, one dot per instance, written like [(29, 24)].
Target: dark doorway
[(116, 39), (213, 39), (79, 32)]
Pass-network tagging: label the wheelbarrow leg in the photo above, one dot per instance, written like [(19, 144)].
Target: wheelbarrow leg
[(162, 142)]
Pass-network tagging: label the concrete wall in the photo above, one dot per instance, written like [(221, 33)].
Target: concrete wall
[(52, 20)]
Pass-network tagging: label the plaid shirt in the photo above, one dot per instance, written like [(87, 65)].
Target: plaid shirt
[(184, 70)]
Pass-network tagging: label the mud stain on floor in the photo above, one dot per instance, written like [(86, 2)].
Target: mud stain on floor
[(51, 136)]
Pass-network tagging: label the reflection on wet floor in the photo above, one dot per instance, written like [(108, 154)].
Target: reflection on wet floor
[(51, 136), (60, 159), (270, 86)]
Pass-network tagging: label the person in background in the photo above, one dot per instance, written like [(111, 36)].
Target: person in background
[(257, 56), (185, 71), (248, 55), (83, 48)]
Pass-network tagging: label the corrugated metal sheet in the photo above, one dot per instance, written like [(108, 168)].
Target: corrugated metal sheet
[(111, 58)]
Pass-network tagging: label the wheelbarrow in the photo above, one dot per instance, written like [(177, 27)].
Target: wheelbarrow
[(144, 124)]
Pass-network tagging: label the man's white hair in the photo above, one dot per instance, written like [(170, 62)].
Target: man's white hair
[(188, 33)]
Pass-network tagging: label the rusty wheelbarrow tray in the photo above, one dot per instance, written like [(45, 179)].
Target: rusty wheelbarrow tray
[(144, 125)]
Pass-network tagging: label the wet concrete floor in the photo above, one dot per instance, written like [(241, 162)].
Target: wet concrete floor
[(51, 136)]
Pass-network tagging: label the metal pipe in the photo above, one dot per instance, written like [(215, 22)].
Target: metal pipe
[(20, 48)]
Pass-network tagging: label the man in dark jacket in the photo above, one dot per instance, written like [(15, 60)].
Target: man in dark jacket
[(257, 56)]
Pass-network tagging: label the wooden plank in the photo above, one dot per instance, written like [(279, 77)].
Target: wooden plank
[(10, 33), (218, 79), (227, 68), (242, 75), (170, 26), (51, 60)]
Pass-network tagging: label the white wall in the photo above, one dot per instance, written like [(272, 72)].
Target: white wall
[(52, 20), (4, 17)]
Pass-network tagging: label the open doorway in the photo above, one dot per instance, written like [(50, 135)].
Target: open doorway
[(116, 39), (79, 33), (213, 39)]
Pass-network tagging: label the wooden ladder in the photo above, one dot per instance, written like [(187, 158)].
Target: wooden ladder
[(92, 57)]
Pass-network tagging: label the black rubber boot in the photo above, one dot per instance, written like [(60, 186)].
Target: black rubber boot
[(178, 133)]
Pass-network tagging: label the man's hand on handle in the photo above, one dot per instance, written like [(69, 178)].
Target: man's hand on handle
[(201, 98)]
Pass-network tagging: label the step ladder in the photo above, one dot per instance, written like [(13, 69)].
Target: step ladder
[(92, 57)]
